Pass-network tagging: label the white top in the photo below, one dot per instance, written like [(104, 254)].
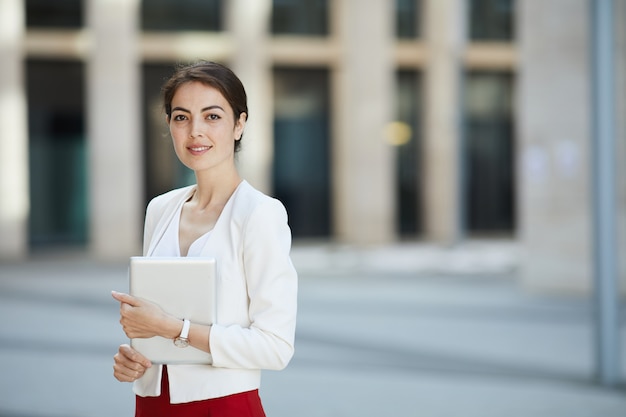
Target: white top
[(256, 293), (169, 245)]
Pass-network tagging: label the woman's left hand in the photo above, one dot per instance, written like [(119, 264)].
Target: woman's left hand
[(141, 318), (130, 365)]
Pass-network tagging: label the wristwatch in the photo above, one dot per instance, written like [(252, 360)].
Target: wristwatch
[(182, 341)]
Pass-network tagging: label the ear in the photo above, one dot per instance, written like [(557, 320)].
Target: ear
[(167, 119), (240, 125)]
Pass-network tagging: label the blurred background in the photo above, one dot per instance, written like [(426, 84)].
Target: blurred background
[(375, 123), (412, 138)]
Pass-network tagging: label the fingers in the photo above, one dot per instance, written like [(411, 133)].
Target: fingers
[(119, 296), (126, 298), (129, 364), (140, 318), (138, 322), (125, 319), (134, 356)]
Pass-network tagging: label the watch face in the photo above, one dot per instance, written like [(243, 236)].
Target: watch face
[(181, 343)]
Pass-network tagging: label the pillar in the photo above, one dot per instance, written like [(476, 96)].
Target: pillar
[(14, 189), (554, 127), (248, 22), (363, 84), (620, 83), (114, 129), (444, 23)]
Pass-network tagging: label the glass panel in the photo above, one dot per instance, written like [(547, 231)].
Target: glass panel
[(300, 17), (175, 15), (301, 169), (408, 155), (58, 176), (54, 13), (489, 152), (408, 18), (163, 170), (491, 20)]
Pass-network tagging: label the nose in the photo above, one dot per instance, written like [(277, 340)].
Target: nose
[(196, 130)]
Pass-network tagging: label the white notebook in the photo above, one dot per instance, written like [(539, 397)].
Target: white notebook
[(184, 288)]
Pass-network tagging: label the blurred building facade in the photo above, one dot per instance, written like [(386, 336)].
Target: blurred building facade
[(374, 121)]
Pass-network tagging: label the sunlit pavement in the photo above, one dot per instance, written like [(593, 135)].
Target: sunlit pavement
[(409, 331)]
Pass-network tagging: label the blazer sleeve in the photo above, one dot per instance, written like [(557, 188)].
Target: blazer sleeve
[(271, 279)]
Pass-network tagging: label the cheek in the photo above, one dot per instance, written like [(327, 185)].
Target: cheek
[(177, 135)]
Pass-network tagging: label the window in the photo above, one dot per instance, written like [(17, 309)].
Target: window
[(181, 15), (301, 169), (408, 19), (408, 184), (300, 17), (57, 152), (54, 14), (489, 152), (491, 20)]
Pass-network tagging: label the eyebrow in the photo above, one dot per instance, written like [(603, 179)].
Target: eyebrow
[(203, 110)]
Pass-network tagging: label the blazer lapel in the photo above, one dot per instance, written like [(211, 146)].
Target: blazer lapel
[(165, 217)]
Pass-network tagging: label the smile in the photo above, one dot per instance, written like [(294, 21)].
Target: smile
[(200, 148)]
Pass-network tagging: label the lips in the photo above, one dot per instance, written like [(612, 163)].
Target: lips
[(198, 150)]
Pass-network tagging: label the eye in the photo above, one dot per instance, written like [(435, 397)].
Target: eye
[(179, 117), (213, 117)]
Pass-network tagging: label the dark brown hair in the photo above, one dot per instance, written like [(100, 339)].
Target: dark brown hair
[(211, 74)]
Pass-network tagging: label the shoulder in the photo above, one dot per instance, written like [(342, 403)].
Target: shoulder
[(262, 220), (249, 199), (252, 203), (161, 202)]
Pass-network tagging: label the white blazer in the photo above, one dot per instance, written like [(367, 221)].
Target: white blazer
[(256, 293)]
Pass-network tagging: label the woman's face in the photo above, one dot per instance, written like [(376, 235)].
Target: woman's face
[(203, 128)]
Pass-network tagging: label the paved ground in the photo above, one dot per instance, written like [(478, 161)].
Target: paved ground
[(407, 331)]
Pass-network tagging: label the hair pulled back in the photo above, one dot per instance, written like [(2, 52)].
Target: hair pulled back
[(213, 75)]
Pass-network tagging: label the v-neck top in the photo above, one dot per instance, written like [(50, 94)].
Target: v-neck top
[(169, 245)]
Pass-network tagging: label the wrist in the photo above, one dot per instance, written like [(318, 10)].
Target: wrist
[(182, 341), (174, 328)]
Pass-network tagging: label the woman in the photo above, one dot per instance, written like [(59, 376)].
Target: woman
[(225, 218)]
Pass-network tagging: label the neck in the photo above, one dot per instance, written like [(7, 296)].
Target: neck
[(215, 189)]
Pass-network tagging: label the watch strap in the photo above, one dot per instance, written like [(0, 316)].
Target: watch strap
[(184, 334)]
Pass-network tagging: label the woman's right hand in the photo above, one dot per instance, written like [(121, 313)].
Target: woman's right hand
[(130, 365)]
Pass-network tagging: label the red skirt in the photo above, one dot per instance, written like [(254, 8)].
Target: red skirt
[(244, 404)]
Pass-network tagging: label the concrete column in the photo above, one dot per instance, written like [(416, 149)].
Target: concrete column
[(248, 23), (364, 191), (114, 129), (554, 126), (14, 198), (444, 23)]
